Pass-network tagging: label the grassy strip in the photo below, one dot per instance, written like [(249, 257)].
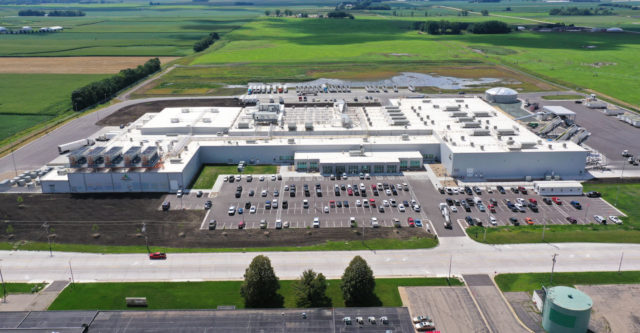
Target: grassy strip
[(23, 288), (209, 295), (531, 281), (370, 244), (624, 195), (562, 97), (209, 173)]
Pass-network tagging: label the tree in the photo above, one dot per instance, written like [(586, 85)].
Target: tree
[(260, 286), (485, 12), (358, 284), (267, 12), (433, 28), (311, 290), (277, 12)]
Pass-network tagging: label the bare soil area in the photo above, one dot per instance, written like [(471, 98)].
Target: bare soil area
[(72, 65), (133, 112), (117, 219)]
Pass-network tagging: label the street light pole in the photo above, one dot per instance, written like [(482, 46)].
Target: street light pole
[(146, 239), (618, 186), (620, 265), (13, 158), (553, 266), (73, 280), (450, 260)]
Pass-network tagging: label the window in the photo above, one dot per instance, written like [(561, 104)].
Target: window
[(414, 164), (366, 169), (302, 166), (353, 169), (403, 165), (313, 166), (392, 168), (378, 168), (327, 169), (340, 169)]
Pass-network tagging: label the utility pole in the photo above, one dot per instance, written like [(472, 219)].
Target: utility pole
[(46, 227), (4, 288), (553, 266), (73, 280), (146, 239), (13, 158), (450, 260), (620, 265)]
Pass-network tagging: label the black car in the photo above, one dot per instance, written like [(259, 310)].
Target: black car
[(339, 204), (449, 202), (470, 201), (285, 204), (468, 190), (514, 221), (515, 190), (547, 201), (238, 194), (345, 204), (456, 202), (572, 220), (247, 205), (381, 209), (533, 207), (251, 193), (594, 194), (166, 205), (501, 190), (469, 220)]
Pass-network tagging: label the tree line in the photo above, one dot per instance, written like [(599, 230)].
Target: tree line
[(286, 12), (66, 13), (455, 28), (339, 14), (363, 4), (575, 11), (261, 285), (102, 90), (205, 42)]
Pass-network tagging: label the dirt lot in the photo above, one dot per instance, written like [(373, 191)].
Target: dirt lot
[(118, 219), (73, 65), (133, 112), (615, 307)]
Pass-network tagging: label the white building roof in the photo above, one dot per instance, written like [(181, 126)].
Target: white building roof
[(558, 110), (190, 120), (368, 157), (501, 91)]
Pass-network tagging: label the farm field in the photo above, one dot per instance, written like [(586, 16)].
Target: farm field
[(72, 65), (49, 96)]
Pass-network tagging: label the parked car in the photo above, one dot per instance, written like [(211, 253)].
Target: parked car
[(199, 194), (576, 204), (493, 220), (316, 222), (529, 220), (514, 220), (594, 194), (556, 200), (286, 224), (572, 220), (425, 326), (418, 223), (615, 219), (278, 224), (179, 193), (241, 225), (419, 319), (600, 219), (157, 255), (232, 210), (213, 224), (547, 201), (374, 222), (401, 208), (252, 210), (469, 220), (166, 205)]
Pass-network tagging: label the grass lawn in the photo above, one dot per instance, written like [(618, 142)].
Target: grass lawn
[(208, 295), (370, 244), (628, 232), (209, 173), (562, 97), (23, 288), (531, 281)]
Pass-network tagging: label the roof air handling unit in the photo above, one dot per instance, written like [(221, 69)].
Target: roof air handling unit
[(481, 132)]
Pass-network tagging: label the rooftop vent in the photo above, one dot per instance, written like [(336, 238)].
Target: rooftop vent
[(185, 110), (175, 120), (405, 137), (291, 141), (206, 120)]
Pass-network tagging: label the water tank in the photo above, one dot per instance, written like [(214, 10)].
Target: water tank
[(566, 310), (501, 95)]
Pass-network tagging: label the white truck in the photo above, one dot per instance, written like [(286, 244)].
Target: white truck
[(69, 146), (107, 136)]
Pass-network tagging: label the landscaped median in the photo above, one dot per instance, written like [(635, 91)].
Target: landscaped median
[(209, 295), (22, 288), (369, 244), (623, 196), (531, 281), (209, 173)]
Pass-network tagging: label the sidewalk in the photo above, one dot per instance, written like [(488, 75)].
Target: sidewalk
[(34, 302)]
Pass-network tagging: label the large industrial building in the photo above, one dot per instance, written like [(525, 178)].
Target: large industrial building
[(163, 152)]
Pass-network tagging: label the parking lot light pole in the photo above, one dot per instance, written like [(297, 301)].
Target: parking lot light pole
[(146, 239), (620, 265), (553, 266)]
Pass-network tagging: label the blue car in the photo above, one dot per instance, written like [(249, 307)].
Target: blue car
[(576, 204), (418, 223), (240, 210)]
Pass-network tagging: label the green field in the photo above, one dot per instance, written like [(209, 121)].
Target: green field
[(29, 99), (562, 97), (209, 295), (530, 281), (132, 29), (209, 173), (624, 195), (369, 244)]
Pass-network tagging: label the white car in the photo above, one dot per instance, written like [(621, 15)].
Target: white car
[(358, 203), (367, 176), (385, 203), (261, 178), (416, 208), (263, 193), (286, 188), (274, 204), (273, 177), (252, 210), (493, 220), (238, 178), (454, 209), (286, 224), (521, 201), (455, 190), (599, 219), (374, 222), (232, 210), (179, 194), (326, 209), (387, 192), (316, 222), (413, 202), (225, 178), (615, 219), (401, 208), (305, 203), (489, 189)]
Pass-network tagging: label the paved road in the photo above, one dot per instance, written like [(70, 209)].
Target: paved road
[(469, 257)]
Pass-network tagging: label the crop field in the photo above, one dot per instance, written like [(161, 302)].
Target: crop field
[(126, 30), (72, 65), (27, 99)]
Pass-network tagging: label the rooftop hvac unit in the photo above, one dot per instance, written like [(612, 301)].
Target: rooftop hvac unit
[(471, 124), (175, 161), (405, 137), (292, 126), (481, 113), (452, 108), (481, 147), (527, 144), (150, 156), (448, 126), (308, 126), (506, 131), (481, 132), (433, 122), (78, 157), (472, 144), (564, 145), (426, 101), (175, 120), (459, 100), (214, 110), (436, 106), (550, 146), (206, 120), (94, 157), (112, 156), (510, 141), (462, 138), (132, 156), (243, 124), (291, 141), (185, 110)]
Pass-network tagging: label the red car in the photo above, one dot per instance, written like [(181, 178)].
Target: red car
[(350, 192), (533, 201), (332, 203), (522, 190), (158, 255), (241, 225), (411, 222), (373, 187), (557, 200), (492, 208), (372, 202)]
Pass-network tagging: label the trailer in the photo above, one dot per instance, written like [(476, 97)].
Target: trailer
[(69, 146)]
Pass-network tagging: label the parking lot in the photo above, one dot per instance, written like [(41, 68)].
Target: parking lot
[(333, 209), (552, 212)]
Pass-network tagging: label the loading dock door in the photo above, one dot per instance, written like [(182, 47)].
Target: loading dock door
[(173, 185)]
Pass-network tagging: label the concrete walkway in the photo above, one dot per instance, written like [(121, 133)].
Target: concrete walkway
[(34, 302)]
